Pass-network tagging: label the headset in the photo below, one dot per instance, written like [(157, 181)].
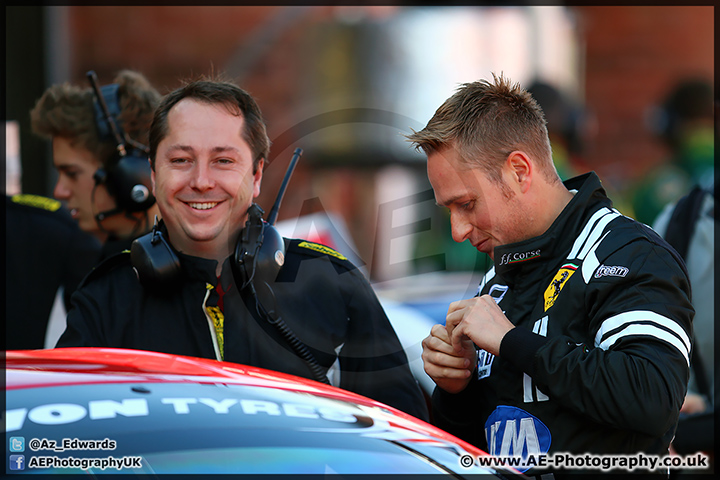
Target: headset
[(258, 257), (127, 175), (259, 252)]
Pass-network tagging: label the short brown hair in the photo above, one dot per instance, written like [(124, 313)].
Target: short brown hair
[(486, 122), (68, 111), (216, 92)]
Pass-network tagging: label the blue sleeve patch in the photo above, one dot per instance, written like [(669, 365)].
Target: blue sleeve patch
[(513, 432)]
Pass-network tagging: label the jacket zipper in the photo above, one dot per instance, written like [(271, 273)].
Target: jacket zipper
[(211, 323)]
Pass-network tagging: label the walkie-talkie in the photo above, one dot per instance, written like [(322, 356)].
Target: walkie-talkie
[(259, 256)]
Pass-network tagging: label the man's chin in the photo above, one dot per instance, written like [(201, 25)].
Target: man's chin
[(485, 247), (204, 238), (90, 227)]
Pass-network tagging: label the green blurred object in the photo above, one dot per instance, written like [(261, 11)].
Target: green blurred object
[(685, 122), (663, 185)]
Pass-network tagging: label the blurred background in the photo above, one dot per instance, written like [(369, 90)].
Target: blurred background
[(345, 83)]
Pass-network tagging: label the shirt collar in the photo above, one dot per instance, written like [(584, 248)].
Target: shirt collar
[(556, 239)]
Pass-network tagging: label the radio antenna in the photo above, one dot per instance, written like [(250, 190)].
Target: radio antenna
[(293, 161), (106, 112)]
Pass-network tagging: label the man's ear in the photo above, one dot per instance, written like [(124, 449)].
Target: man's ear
[(521, 169), (257, 177)]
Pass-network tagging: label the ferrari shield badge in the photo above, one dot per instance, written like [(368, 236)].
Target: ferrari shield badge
[(558, 282)]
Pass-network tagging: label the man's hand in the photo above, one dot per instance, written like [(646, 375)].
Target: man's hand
[(449, 368), (693, 403), (479, 320)]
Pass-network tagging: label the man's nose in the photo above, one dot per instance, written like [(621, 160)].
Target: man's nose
[(460, 228), (61, 192), (202, 177)]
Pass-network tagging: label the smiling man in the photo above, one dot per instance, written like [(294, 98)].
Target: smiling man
[(206, 177), (321, 319), (579, 338)]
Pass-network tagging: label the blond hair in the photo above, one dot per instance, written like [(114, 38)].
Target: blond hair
[(485, 122)]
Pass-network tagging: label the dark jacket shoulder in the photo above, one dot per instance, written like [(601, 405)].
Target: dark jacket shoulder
[(108, 267), (47, 209), (628, 231), (306, 249), (35, 202)]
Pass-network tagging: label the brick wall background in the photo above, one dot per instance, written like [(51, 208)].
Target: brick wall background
[(632, 57)]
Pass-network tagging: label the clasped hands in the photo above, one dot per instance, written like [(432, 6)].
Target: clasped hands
[(449, 354)]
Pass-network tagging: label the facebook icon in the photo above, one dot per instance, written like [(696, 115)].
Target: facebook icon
[(17, 462)]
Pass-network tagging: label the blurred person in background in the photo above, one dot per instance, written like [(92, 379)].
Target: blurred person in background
[(689, 226), (570, 127), (45, 252), (564, 124), (46, 257), (578, 340), (685, 122), (106, 190)]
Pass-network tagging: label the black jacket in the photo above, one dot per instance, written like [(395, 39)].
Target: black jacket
[(598, 361), (320, 295), (45, 251)]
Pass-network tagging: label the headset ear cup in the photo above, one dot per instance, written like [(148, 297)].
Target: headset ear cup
[(128, 176), (132, 183), (247, 247), (156, 264), (259, 253), (271, 256), (242, 264)]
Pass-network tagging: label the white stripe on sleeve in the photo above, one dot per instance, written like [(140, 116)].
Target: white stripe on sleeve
[(628, 322)]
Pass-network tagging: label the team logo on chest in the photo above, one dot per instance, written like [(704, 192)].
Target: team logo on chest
[(484, 364), (497, 292), (557, 284)]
